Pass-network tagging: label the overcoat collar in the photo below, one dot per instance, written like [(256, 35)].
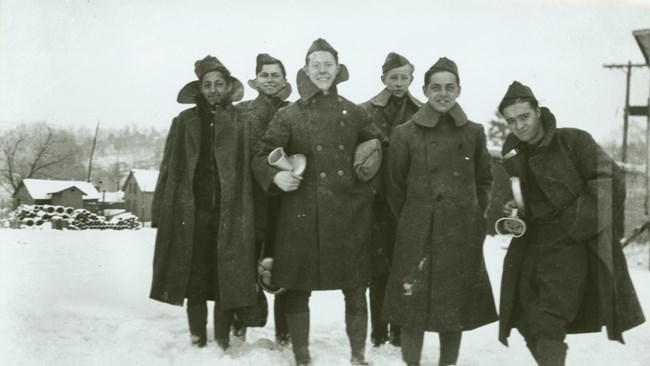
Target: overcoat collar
[(283, 94), (426, 116), (550, 127), (307, 89), (383, 98), (193, 88)]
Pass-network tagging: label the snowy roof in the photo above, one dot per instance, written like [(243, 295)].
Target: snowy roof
[(68, 187), (146, 179), (42, 189), (112, 196)]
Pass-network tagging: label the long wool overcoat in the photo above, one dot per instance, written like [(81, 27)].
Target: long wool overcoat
[(386, 116), (588, 189), (266, 207), (173, 210), (323, 230), (438, 182)]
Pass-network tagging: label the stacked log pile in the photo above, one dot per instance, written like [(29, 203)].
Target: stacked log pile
[(59, 217)]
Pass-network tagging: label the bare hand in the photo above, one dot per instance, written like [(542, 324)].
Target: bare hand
[(509, 206), (287, 181)]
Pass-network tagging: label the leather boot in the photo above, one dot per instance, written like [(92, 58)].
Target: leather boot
[(197, 317), (551, 353), (412, 341), (299, 329), (356, 326), (222, 322)]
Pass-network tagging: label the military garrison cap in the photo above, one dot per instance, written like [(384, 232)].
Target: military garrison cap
[(321, 45), (393, 60)]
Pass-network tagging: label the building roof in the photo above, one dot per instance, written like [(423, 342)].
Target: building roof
[(145, 179), (66, 188), (42, 189)]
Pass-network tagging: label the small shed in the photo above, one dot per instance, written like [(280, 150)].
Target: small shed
[(71, 193), (68, 197), (138, 192)]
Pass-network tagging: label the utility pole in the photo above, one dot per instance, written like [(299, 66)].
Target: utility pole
[(626, 113), (92, 152)]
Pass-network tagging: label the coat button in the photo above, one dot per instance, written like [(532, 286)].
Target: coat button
[(340, 173), (342, 123), (345, 112), (319, 147), (341, 147), (323, 175), (455, 174)]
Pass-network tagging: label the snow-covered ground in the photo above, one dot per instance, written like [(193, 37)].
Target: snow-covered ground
[(81, 298)]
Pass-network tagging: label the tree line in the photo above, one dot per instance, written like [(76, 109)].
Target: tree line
[(43, 150)]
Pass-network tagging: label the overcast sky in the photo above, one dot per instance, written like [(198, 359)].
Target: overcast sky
[(121, 61)]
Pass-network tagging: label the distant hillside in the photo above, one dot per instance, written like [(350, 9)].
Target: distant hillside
[(119, 150)]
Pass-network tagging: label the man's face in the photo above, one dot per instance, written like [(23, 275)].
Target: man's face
[(398, 80), (270, 80), (524, 121), (322, 69), (214, 86), (442, 91)]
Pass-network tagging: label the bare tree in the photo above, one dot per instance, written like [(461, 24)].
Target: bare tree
[(31, 150), (497, 130)]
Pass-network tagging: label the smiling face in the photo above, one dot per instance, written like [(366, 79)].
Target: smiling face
[(442, 90), (524, 121), (322, 69), (270, 79), (214, 86), (398, 80)]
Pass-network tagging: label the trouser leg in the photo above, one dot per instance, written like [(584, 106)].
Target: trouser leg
[(197, 317), (198, 288), (379, 333), (449, 347), (412, 341), (222, 322), (280, 316), (551, 290), (395, 335), (356, 322), (298, 324)]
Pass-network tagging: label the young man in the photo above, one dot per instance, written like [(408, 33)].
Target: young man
[(273, 89), (568, 273), (437, 182), (393, 106), (203, 206), (322, 236)]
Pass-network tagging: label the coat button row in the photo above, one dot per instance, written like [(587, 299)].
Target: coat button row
[(340, 173)]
